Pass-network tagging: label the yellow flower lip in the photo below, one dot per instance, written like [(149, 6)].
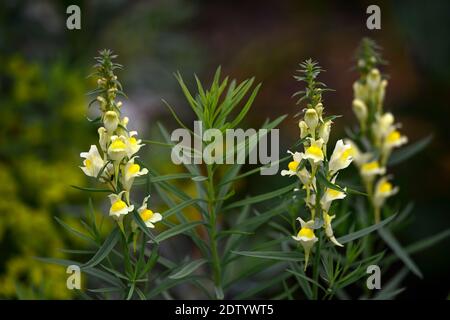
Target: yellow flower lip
[(333, 192), (293, 165), (347, 153), (134, 168), (117, 145), (385, 187), (315, 151), (306, 232), (394, 136), (118, 205), (370, 166), (146, 215), (132, 140), (88, 163)]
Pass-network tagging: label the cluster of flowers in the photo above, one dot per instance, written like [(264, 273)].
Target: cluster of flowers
[(379, 128), (315, 132), (115, 164)]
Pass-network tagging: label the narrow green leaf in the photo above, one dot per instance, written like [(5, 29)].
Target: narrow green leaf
[(304, 277), (178, 229), (74, 231), (104, 250), (399, 251), (188, 268), (273, 255), (261, 197), (363, 232), (91, 189)]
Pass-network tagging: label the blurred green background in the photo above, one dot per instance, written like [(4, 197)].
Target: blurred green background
[(43, 106)]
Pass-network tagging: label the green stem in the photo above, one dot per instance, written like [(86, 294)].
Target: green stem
[(215, 258), (316, 268)]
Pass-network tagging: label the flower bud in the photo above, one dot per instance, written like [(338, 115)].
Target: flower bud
[(374, 79), (360, 109), (319, 110), (111, 121), (303, 129), (360, 91), (324, 131), (103, 138), (311, 119), (382, 91)]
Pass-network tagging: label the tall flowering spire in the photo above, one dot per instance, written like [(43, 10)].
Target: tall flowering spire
[(316, 172), (113, 163), (376, 126)]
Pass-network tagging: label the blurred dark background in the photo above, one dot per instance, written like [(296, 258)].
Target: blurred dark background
[(43, 68)]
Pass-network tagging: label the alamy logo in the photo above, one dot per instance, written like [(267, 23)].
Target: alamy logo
[(232, 146)]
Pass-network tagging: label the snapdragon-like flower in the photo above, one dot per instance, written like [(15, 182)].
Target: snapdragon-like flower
[(118, 148), (329, 230), (314, 152), (93, 162), (341, 157), (371, 169), (330, 195), (383, 190), (148, 216), (133, 145), (306, 237), (394, 140), (119, 207), (130, 171)]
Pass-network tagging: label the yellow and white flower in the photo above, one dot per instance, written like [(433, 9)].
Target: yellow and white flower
[(314, 152), (383, 190), (306, 237), (119, 208), (359, 157), (111, 121), (371, 169), (329, 230), (117, 150), (93, 162), (330, 195), (148, 216), (132, 144), (293, 165), (383, 125), (394, 139), (130, 171), (341, 157)]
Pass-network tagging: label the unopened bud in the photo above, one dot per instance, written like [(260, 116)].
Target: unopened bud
[(360, 109), (311, 119), (324, 131), (111, 121), (374, 79), (303, 129)]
